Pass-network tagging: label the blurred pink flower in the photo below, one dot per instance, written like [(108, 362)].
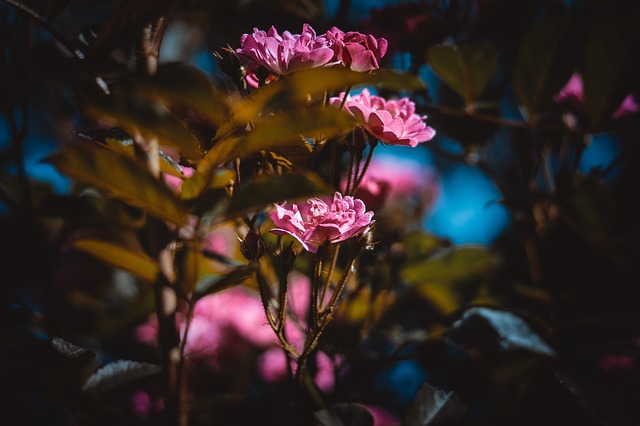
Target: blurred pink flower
[(373, 191), (142, 405), (359, 52), (273, 368), (175, 183), (317, 221), (394, 122), (282, 54), (572, 94), (382, 417)]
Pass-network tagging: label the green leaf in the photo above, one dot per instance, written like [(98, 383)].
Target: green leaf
[(181, 85), (610, 68), (117, 374), (138, 264), (545, 62), (213, 284), (466, 68), (276, 188), (197, 183), (190, 260), (140, 115), (120, 176), (344, 414), (452, 265), (419, 245), (299, 86), (432, 406), (276, 132)]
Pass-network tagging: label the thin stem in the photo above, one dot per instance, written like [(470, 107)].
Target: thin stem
[(332, 265), (366, 165)]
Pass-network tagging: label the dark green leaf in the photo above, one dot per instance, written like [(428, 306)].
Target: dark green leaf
[(510, 331), (610, 68), (197, 183), (420, 245), (275, 188), (117, 374), (277, 132), (178, 84), (450, 265), (466, 68), (70, 350), (434, 406), (149, 119), (344, 415), (213, 284), (544, 63), (120, 176), (138, 264)]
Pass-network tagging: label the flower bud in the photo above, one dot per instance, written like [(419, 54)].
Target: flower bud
[(252, 247)]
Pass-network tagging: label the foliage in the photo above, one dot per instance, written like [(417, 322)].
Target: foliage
[(177, 281)]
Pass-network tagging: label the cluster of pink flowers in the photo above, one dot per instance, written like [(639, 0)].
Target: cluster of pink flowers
[(572, 94), (318, 221), (393, 122), (284, 53)]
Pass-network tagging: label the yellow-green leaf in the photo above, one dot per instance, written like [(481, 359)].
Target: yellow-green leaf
[(454, 265), (120, 176), (277, 132), (138, 264)]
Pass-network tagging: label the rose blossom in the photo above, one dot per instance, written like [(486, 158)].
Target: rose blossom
[(394, 122), (357, 51), (317, 221), (572, 94), (282, 54)]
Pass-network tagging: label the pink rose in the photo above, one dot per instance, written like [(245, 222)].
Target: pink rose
[(572, 94), (282, 54), (357, 51), (316, 221), (394, 122)]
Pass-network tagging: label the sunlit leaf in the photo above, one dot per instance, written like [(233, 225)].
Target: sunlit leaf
[(120, 141), (141, 115), (197, 183), (136, 263), (344, 415), (213, 284), (433, 406), (299, 86), (510, 331), (120, 176), (277, 132), (610, 66), (277, 188), (466, 68), (452, 265), (544, 63), (117, 374), (190, 260)]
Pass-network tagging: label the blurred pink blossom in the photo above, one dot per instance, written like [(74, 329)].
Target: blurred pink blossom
[(142, 405), (359, 52), (572, 94), (382, 417), (282, 54), (317, 221), (174, 182), (393, 122)]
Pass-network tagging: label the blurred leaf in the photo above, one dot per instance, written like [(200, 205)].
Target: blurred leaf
[(42, 8), (544, 64), (117, 374), (213, 284), (433, 406), (150, 119), (197, 183), (179, 84), (120, 176), (121, 141), (89, 210), (275, 188), (138, 264), (451, 265), (510, 331), (418, 245), (298, 87), (466, 68), (344, 415), (126, 23), (190, 260), (70, 350), (592, 204), (610, 68), (277, 132)]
